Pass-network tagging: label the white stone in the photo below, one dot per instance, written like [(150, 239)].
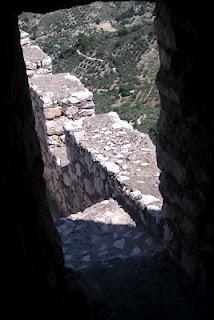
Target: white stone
[(72, 125), (54, 140), (47, 101), (54, 127), (71, 77), (131, 156), (121, 124), (79, 136), (23, 34), (142, 182), (105, 202), (51, 113), (119, 244), (73, 100), (149, 199), (126, 146), (114, 115), (154, 207), (86, 112), (47, 61), (112, 167), (108, 132), (83, 95), (107, 148), (145, 164), (136, 194), (116, 220), (98, 135), (118, 161), (70, 111), (123, 178), (109, 213)]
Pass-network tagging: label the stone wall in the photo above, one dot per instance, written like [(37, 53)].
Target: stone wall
[(90, 158), (36, 61), (111, 159), (185, 144)]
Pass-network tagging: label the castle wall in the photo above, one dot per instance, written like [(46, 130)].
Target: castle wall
[(87, 157)]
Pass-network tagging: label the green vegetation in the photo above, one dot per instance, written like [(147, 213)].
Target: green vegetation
[(119, 64), (97, 21), (144, 118)]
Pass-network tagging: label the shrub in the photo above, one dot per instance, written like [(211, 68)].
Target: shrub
[(84, 42), (97, 21), (125, 89), (123, 31)]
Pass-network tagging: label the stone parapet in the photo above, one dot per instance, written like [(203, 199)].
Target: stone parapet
[(119, 161), (59, 99), (24, 39), (36, 60)]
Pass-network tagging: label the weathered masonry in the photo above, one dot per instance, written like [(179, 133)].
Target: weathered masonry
[(89, 158)]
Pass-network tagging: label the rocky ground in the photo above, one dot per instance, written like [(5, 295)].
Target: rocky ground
[(124, 269), (102, 234)]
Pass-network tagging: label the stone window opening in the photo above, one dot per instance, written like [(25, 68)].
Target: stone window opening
[(92, 162)]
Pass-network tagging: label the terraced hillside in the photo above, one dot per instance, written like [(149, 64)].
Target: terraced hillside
[(111, 47)]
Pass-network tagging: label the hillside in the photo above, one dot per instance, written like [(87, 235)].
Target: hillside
[(111, 48)]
